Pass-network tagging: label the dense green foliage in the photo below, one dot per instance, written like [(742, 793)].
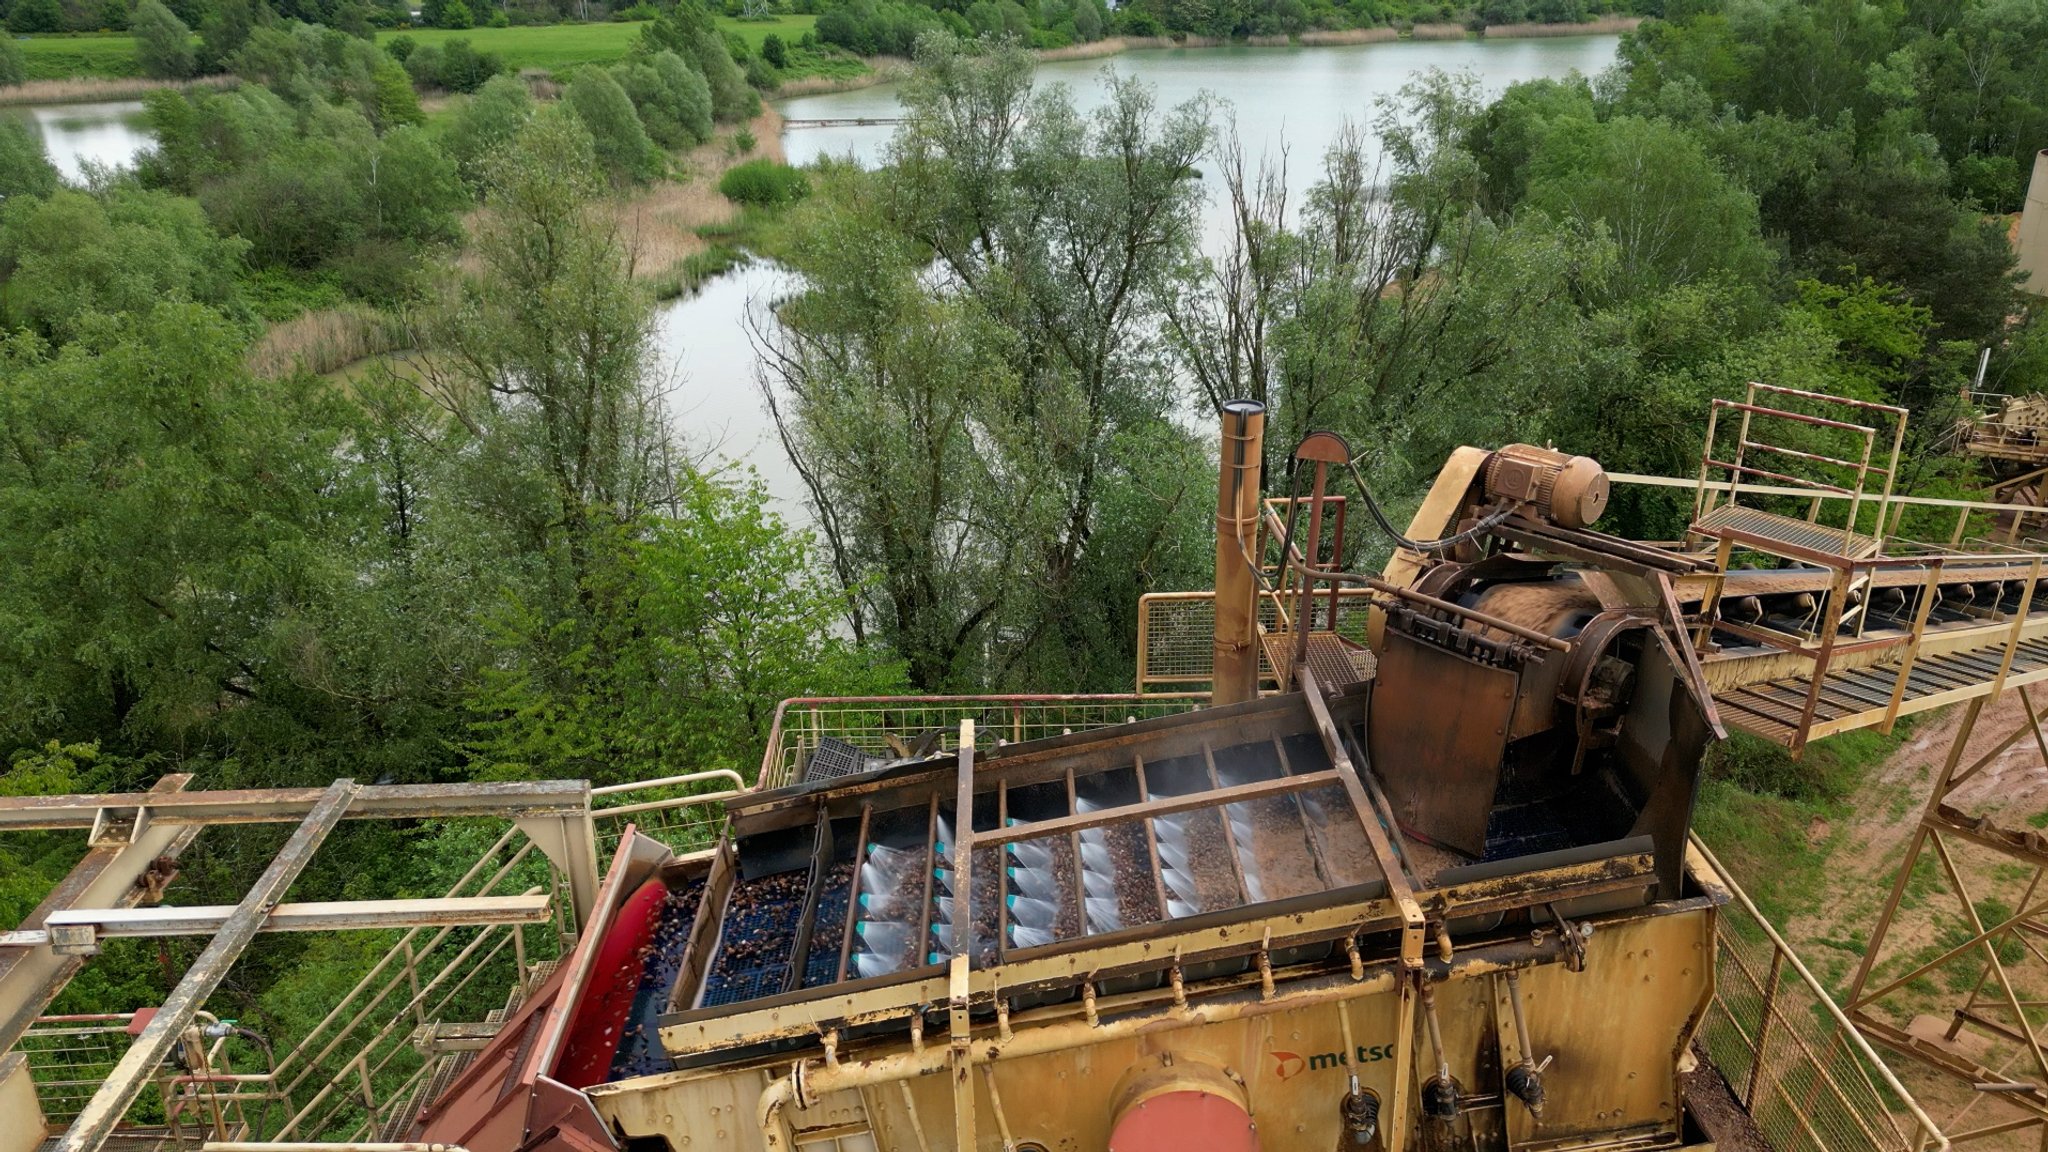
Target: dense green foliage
[(25, 168), (892, 27), (163, 44), (764, 182)]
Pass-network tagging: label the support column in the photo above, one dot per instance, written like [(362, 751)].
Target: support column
[(1236, 666)]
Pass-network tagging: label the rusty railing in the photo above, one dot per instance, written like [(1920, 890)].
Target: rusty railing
[(870, 723), (1808, 1079)]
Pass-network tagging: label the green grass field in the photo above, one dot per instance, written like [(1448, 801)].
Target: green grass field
[(565, 45), (551, 47), (62, 57)]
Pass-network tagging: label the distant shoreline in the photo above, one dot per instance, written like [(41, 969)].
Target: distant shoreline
[(891, 69)]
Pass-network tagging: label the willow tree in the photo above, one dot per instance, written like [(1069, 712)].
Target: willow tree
[(975, 356)]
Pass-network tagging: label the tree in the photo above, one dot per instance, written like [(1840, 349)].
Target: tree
[(461, 68), (687, 30), (957, 427), (75, 258), (1087, 20), (490, 119), (617, 136), (13, 62), (1675, 218), (395, 103), (415, 192), (674, 102), (774, 52), (455, 14), (28, 16), (547, 347), (168, 521), (225, 28), (163, 45), (25, 169), (718, 612)]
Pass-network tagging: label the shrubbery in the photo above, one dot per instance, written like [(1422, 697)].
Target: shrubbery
[(764, 183), (163, 44), (673, 100), (616, 133), (491, 118)]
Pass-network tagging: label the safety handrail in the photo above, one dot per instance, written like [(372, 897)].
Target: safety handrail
[(1930, 1135)]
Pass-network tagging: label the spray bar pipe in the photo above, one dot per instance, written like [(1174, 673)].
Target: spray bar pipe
[(1296, 564)]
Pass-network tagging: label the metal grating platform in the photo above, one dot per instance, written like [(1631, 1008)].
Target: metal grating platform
[(1768, 529), (1850, 697), (835, 758), (1337, 662)]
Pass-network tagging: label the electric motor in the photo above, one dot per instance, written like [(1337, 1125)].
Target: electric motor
[(1569, 491)]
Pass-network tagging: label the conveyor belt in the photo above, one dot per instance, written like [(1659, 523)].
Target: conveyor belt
[(1859, 697)]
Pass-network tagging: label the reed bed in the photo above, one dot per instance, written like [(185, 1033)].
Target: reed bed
[(1337, 36), (881, 70), (95, 89), (1438, 32), (1606, 25), (325, 341), (663, 224)]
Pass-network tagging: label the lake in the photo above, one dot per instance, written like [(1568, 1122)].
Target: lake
[(1297, 96), (109, 134)]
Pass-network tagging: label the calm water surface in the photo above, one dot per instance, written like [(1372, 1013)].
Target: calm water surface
[(109, 134), (1296, 97)]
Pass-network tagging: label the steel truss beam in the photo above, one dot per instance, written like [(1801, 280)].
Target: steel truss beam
[(116, 872), (97, 1119), (88, 924), (1994, 1005), (524, 800)]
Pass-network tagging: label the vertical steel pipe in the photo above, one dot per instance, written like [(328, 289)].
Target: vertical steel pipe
[(1237, 584)]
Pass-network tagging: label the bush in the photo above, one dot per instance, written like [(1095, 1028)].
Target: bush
[(637, 13), (764, 183), (761, 76), (616, 133), (463, 68), (400, 47), (774, 51), (500, 20), (423, 65)]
